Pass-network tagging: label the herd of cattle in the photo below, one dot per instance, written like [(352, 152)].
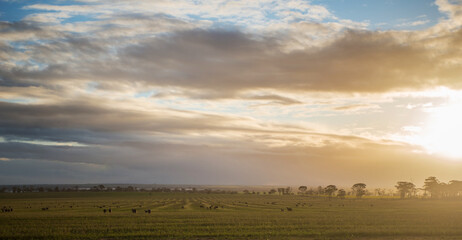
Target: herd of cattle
[(7, 209)]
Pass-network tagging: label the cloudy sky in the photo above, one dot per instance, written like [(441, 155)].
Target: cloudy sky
[(230, 92)]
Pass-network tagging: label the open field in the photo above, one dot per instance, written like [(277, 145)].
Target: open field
[(237, 216)]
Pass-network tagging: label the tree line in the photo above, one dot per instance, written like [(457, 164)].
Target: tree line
[(432, 188), (102, 188)]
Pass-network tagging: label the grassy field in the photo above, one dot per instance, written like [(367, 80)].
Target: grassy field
[(237, 216)]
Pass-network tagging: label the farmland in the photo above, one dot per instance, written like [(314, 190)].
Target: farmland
[(80, 215)]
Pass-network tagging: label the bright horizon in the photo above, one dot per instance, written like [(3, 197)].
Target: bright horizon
[(230, 92)]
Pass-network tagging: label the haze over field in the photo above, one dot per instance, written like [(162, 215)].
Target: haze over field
[(230, 92)]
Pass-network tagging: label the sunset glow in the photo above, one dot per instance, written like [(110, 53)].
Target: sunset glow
[(444, 131)]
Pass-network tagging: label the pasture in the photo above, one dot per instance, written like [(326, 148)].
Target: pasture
[(81, 215)]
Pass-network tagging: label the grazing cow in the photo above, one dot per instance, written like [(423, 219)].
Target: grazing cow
[(109, 210), (7, 209), (282, 209), (201, 206), (133, 210), (104, 210), (182, 207), (289, 209), (45, 208), (147, 211)]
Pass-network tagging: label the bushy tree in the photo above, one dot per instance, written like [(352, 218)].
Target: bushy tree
[(330, 190), (359, 189), (405, 188), (432, 185), (341, 193)]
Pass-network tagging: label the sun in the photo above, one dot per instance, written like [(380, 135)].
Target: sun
[(443, 131)]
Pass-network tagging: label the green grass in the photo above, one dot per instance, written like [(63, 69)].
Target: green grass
[(242, 217)]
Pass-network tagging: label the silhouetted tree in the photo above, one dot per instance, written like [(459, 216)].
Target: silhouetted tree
[(302, 189), (379, 192), (341, 193), (455, 188), (359, 189), (330, 190), (281, 191), (432, 185), (405, 188)]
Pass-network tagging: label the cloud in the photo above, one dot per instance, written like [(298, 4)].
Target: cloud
[(231, 61), (275, 99), (413, 24), (355, 107), (213, 92)]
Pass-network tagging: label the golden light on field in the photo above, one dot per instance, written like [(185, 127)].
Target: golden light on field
[(444, 131)]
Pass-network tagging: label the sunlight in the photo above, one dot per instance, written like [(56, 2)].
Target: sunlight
[(443, 133)]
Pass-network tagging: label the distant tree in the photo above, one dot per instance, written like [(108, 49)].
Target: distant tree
[(379, 192), (56, 189), (359, 189), (405, 189), (288, 190), (246, 191), (330, 190), (310, 191), (455, 188), (341, 193), (272, 191), (281, 191), (302, 189), (320, 190), (432, 185)]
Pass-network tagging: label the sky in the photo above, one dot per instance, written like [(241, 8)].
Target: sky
[(290, 92)]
